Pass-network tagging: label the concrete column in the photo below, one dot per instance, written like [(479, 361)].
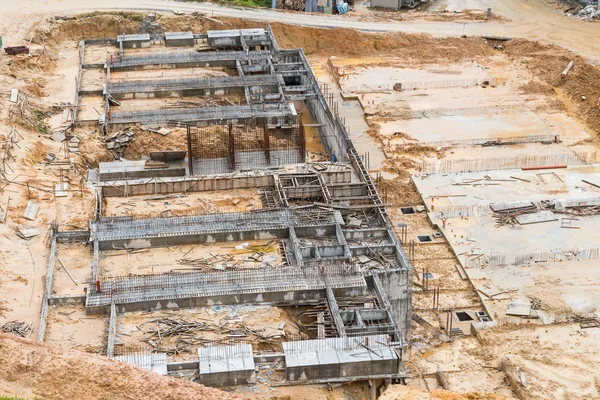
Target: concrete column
[(112, 331), (48, 290), (335, 312)]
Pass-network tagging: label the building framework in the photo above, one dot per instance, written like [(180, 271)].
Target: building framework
[(335, 234)]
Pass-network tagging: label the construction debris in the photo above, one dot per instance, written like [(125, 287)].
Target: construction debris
[(25, 232), (18, 328), (74, 145), (31, 211), (187, 338), (14, 95), (566, 71), (508, 215), (58, 136), (14, 50), (118, 141), (587, 12)]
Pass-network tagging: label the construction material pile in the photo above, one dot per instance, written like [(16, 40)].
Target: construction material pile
[(508, 217)]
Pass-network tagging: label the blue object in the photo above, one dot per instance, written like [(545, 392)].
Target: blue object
[(333, 158), (342, 8)]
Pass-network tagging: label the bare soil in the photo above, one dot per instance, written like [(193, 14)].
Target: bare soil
[(45, 372)]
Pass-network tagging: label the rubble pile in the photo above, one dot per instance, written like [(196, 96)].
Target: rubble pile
[(118, 141), (587, 12)]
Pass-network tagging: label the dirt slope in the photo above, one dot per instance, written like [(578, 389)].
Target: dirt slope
[(581, 87), (400, 392), (30, 369)]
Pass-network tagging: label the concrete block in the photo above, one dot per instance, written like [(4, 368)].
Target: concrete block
[(152, 362)]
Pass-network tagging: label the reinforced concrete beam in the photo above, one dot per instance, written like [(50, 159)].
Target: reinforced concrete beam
[(195, 87), (335, 312), (277, 115), (112, 331), (187, 60), (48, 289)]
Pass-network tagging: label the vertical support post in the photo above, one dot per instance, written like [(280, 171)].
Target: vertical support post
[(189, 146), (267, 145), (301, 143), (231, 147), (112, 331)]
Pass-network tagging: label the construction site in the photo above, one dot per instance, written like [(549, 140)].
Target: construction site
[(201, 202)]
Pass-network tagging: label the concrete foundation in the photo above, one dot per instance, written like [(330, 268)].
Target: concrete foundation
[(226, 365)]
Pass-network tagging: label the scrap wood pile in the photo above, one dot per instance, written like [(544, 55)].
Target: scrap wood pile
[(591, 209), (508, 217), (187, 335), (19, 328)]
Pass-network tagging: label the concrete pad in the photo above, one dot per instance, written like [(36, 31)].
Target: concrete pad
[(553, 264)]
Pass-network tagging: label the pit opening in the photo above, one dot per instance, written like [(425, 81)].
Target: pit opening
[(463, 316), (424, 238)]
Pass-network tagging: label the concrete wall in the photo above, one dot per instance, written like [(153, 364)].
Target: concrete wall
[(288, 297), (188, 184), (214, 237), (394, 4), (398, 287), (229, 378), (180, 42), (142, 173)]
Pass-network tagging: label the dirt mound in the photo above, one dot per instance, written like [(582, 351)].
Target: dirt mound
[(97, 25), (36, 370), (348, 42), (93, 151), (314, 41), (146, 142), (580, 89), (533, 87), (398, 392)]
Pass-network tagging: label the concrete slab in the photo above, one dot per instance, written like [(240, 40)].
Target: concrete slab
[(545, 261), (518, 309)]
